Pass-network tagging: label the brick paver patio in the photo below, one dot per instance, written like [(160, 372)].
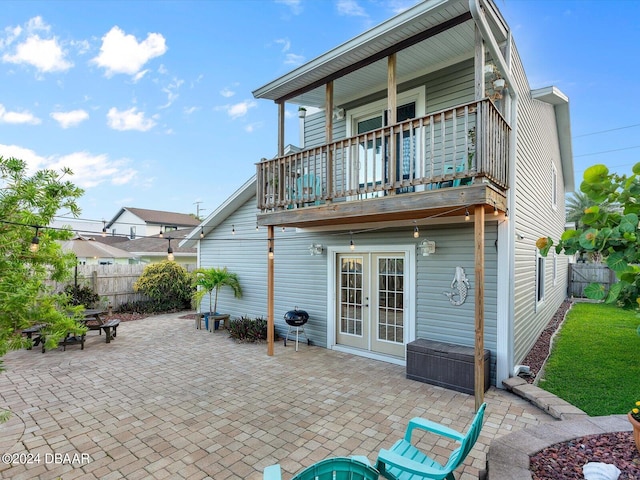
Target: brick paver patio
[(164, 400)]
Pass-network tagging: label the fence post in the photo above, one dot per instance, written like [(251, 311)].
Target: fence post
[(94, 281)]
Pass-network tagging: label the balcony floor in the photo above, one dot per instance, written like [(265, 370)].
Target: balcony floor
[(444, 202)]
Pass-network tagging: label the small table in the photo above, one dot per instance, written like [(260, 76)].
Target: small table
[(35, 329)]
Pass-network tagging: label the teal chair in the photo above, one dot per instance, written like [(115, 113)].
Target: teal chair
[(337, 468), (462, 181), (308, 189), (403, 461)]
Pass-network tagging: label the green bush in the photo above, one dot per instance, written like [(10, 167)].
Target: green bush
[(81, 295), (168, 286), (245, 329)]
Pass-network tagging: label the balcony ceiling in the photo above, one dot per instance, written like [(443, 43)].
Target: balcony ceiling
[(445, 48)]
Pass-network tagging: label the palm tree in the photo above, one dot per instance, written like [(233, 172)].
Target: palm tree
[(210, 279), (578, 202)]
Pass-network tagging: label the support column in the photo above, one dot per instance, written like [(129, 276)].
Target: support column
[(328, 134), (270, 290), (478, 228), (392, 106)]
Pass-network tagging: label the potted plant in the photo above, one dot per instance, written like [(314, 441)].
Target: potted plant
[(634, 418), (209, 279)]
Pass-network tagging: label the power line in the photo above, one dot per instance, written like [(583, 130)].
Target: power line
[(606, 151), (606, 131)]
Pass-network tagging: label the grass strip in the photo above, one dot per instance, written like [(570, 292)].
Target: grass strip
[(595, 360)]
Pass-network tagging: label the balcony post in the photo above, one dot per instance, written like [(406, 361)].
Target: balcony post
[(270, 290), (328, 105), (479, 305), (392, 106)]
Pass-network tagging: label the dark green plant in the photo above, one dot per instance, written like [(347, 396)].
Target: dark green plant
[(612, 235), (151, 306), (167, 284), (246, 329), (213, 279), (82, 295)]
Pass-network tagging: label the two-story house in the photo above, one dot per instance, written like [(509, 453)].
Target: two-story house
[(426, 175)]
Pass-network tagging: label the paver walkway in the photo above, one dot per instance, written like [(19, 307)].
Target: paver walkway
[(164, 400)]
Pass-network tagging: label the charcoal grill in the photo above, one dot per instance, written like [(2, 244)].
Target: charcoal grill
[(296, 319)]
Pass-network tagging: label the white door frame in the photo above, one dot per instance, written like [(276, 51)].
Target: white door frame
[(409, 251)]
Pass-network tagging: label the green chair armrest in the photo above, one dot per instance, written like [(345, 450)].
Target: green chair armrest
[(429, 426), (272, 472)]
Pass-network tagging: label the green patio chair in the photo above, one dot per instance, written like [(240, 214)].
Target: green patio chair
[(337, 468), (404, 461)]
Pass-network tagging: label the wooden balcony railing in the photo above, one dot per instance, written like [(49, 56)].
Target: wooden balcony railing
[(454, 147)]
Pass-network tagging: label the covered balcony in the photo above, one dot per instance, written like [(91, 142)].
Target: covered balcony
[(422, 166)]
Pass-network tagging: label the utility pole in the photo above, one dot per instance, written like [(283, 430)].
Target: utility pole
[(198, 209)]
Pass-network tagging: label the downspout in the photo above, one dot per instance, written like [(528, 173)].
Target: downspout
[(506, 233)]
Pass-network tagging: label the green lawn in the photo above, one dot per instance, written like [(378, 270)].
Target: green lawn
[(595, 361)]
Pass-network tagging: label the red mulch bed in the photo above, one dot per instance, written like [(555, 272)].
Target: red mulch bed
[(564, 461)]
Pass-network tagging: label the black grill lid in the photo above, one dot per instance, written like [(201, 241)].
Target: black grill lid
[(293, 317)]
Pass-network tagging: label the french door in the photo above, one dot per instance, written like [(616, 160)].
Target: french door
[(371, 314)]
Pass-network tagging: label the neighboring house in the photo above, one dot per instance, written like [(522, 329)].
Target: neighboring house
[(141, 222), (155, 249), (428, 127), (91, 252)]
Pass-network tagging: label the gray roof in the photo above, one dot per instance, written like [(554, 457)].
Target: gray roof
[(158, 217), (155, 244)]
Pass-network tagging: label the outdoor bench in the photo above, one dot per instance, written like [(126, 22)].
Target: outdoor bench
[(108, 327)]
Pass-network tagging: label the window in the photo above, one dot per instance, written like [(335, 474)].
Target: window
[(132, 233), (540, 264), (554, 187)]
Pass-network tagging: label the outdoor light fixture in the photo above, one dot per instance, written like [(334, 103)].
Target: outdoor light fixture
[(257, 227), (352, 246), (170, 256), (416, 232), (201, 232), (161, 235), (427, 247), (271, 252), (506, 213), (495, 209), (466, 215), (316, 249), (104, 228), (35, 242)]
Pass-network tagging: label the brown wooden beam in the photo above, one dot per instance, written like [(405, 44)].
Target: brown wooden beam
[(270, 291), (479, 306), (392, 104), (417, 38), (328, 105)]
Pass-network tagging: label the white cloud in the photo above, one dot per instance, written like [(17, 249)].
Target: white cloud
[(129, 120), (227, 93), (10, 35), (122, 53), (293, 59), (190, 110), (286, 44), (17, 117), (36, 24), (138, 76), (350, 8), (172, 92), (44, 54), (294, 5), (238, 110), (70, 119), (88, 170), (250, 128)]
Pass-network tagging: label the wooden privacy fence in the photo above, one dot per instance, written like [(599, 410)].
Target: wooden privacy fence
[(114, 283), (582, 274)]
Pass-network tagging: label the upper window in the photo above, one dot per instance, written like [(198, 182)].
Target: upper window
[(554, 186)]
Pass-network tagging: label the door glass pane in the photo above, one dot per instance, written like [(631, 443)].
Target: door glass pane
[(351, 296), (391, 300)]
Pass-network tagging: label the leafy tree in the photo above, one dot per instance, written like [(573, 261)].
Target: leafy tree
[(611, 234), (210, 279), (167, 284), (27, 205)]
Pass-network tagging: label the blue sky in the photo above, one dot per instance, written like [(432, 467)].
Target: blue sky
[(150, 103)]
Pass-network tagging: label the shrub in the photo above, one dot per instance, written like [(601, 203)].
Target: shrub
[(245, 329), (167, 285), (81, 295)]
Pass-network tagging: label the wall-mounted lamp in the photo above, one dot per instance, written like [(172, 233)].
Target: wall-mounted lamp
[(35, 242), (316, 249), (170, 256), (427, 247)]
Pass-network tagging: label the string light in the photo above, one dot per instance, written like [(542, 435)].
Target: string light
[(416, 232), (352, 246), (270, 252), (35, 242), (161, 235), (495, 209), (233, 229), (170, 255), (104, 228), (466, 215), (506, 213), (201, 232), (257, 227)]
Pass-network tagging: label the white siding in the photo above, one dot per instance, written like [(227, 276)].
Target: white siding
[(537, 154)]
